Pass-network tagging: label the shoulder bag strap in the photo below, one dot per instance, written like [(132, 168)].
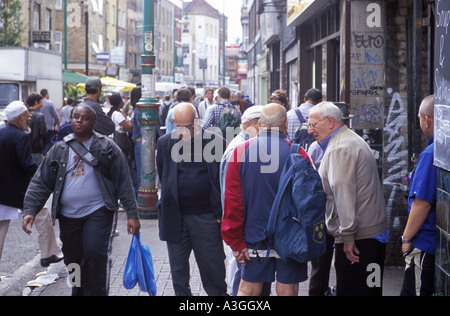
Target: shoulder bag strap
[(81, 150)]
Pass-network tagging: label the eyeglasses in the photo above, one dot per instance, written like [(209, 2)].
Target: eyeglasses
[(84, 118), (275, 95), (313, 124)]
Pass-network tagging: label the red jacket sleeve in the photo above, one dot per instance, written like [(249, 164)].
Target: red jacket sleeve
[(233, 214), (305, 155)]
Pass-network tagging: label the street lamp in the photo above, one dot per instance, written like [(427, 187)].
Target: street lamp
[(148, 109)]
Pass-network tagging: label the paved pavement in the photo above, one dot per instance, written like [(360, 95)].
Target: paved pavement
[(393, 276)]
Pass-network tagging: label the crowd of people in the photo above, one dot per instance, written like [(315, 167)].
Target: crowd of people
[(205, 202)]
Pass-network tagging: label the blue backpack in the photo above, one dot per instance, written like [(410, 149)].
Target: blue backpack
[(296, 227), (301, 136)]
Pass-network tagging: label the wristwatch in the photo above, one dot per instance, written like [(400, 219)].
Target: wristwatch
[(405, 241)]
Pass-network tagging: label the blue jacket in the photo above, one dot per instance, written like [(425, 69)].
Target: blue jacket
[(251, 185), (168, 206), (16, 165)]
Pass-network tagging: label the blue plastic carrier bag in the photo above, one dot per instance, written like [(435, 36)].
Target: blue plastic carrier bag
[(139, 267)]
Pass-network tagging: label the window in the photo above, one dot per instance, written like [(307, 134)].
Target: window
[(48, 20), (37, 17), (58, 5), (94, 5), (113, 15), (100, 43), (58, 41), (100, 7), (107, 12), (321, 37)]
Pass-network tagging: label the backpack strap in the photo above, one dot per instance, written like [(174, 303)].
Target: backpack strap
[(87, 156), (81, 150), (295, 148), (299, 115)]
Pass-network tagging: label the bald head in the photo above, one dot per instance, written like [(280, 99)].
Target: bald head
[(273, 115), (427, 106), (426, 115), (184, 112)]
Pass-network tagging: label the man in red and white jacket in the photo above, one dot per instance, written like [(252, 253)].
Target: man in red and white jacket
[(251, 185)]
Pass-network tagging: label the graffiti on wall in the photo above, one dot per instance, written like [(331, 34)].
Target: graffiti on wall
[(367, 66)]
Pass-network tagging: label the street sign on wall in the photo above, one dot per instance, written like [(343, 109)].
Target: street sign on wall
[(117, 55), (295, 8), (41, 36)]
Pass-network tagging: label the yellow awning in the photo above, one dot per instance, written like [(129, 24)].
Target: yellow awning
[(113, 84)]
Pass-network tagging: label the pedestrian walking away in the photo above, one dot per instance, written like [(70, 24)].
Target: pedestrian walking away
[(87, 174), (312, 97), (16, 167), (38, 128), (355, 213), (223, 115), (190, 208), (251, 184), (105, 125), (419, 237), (43, 223), (51, 119), (184, 95)]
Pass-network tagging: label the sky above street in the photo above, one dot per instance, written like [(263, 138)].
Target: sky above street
[(233, 12)]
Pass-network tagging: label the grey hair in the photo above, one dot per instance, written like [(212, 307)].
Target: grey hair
[(85, 107), (328, 109), (277, 119)]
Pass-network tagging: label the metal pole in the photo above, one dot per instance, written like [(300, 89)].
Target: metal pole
[(224, 48), (65, 34), (86, 21), (148, 110)]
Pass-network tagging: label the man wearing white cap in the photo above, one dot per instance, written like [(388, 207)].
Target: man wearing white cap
[(16, 167)]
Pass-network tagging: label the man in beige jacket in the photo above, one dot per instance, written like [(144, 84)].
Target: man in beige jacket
[(355, 216)]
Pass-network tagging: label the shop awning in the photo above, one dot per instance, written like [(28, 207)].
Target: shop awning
[(70, 76), (112, 84)]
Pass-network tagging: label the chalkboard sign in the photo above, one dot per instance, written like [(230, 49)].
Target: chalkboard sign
[(442, 86)]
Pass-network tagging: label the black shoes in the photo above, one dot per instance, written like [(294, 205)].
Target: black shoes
[(45, 262)]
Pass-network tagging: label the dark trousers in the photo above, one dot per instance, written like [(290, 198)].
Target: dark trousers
[(356, 279), (320, 270), (86, 245), (200, 233), (48, 141), (419, 274)]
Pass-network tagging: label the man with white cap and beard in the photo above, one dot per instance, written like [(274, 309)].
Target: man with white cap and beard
[(16, 167)]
